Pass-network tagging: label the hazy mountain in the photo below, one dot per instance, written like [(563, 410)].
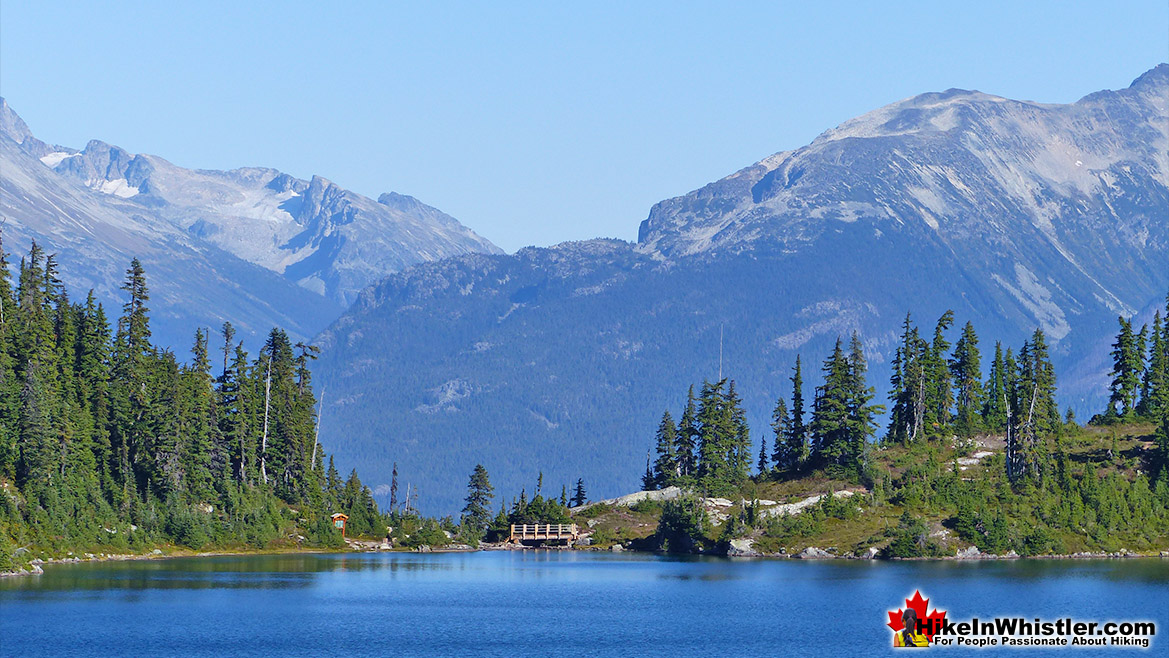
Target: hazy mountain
[(243, 245), (1014, 214)]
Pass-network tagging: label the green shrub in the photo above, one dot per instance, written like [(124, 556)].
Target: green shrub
[(593, 511), (683, 525), (647, 506), (911, 539)]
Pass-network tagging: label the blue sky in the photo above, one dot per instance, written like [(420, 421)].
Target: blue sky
[(532, 123)]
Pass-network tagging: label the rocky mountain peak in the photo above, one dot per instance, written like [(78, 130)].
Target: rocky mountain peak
[(313, 234), (11, 125)]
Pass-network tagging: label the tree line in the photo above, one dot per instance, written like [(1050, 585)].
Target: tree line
[(937, 389), (109, 440), (477, 522), (711, 448), (1139, 388)]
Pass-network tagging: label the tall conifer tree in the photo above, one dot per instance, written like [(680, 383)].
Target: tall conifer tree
[(966, 371)]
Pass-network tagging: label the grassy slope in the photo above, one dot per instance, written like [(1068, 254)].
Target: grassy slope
[(1126, 449)]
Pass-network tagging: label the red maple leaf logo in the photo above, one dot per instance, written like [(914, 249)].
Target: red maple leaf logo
[(930, 623)]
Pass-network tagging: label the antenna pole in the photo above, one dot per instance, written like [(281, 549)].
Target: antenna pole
[(720, 352)]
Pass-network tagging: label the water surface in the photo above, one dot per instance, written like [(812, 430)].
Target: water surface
[(540, 603)]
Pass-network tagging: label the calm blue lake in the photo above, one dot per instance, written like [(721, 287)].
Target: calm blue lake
[(542, 603)]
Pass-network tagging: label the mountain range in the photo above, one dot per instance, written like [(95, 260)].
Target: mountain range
[(254, 246), (444, 352), (1014, 214)]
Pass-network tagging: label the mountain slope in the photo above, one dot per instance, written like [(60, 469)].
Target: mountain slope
[(1032, 182), (282, 250), (1013, 214)]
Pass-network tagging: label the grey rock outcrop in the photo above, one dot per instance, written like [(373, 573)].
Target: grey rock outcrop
[(742, 548), (814, 553)]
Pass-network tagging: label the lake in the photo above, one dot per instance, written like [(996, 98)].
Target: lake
[(542, 603)]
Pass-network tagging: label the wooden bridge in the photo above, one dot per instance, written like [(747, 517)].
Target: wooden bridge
[(544, 532)]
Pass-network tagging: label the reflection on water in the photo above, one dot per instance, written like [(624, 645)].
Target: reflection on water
[(282, 571), (504, 603)]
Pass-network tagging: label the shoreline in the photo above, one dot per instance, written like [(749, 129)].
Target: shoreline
[(35, 566)]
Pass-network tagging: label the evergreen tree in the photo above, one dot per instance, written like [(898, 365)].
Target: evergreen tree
[(909, 385), (842, 417), (579, 497), (667, 468), (740, 443), (939, 392), (202, 450), (39, 420), (782, 456), (686, 440), (1035, 414), (477, 512), (723, 437), (996, 407), (763, 463), (394, 490), (1155, 386), (9, 381), (830, 410), (713, 434), (796, 437), (1127, 368), (334, 487), (966, 371), (862, 415)]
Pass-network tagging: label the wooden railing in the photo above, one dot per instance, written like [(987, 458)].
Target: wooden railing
[(541, 531)]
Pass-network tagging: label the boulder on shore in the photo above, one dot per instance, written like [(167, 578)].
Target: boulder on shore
[(742, 548), (813, 553), (870, 553), (969, 553)]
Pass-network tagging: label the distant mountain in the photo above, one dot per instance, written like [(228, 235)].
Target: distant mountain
[(255, 246), (1013, 214)]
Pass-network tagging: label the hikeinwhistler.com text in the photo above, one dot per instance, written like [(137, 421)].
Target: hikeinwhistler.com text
[(1020, 632)]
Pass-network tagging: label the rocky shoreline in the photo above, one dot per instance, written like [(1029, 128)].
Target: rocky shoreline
[(738, 548), (35, 566), (743, 548)]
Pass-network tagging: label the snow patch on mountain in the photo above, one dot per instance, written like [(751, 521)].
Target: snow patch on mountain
[(830, 316), (1038, 299), (118, 187), (53, 159)]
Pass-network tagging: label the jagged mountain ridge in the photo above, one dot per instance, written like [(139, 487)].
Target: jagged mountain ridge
[(294, 252), (325, 238), (563, 359), (95, 236)]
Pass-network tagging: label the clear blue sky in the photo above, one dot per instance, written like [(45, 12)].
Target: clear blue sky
[(532, 124)]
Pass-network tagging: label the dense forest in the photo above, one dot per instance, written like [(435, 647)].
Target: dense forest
[(110, 443), (1049, 484)]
